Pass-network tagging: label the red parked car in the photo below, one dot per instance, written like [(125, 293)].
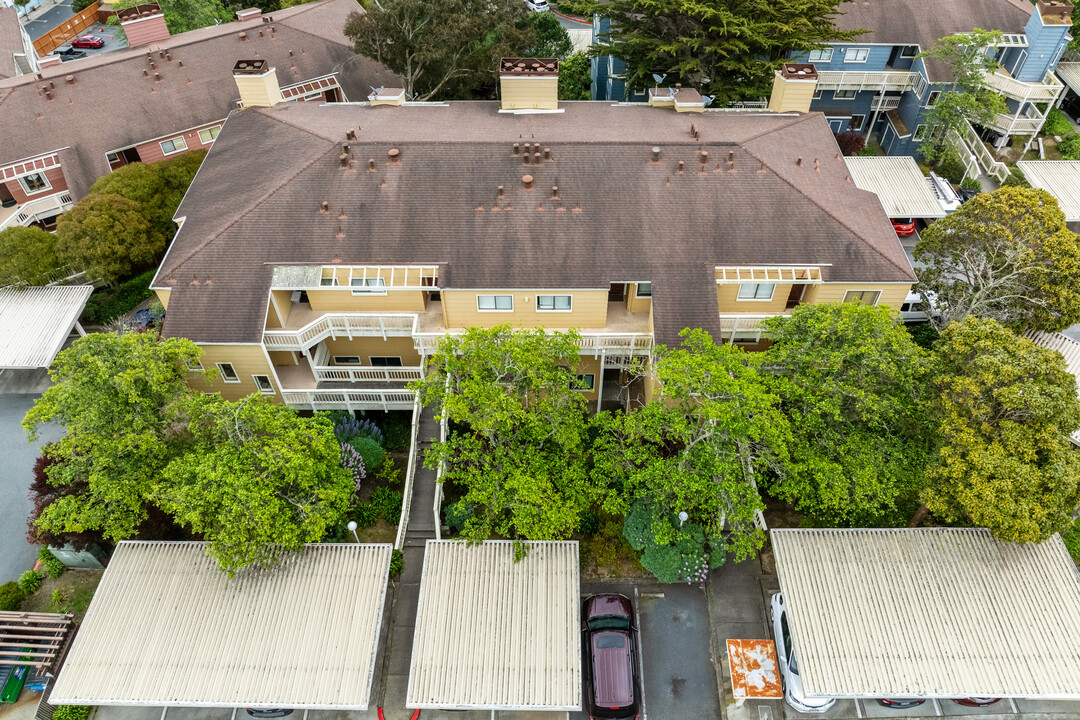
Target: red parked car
[(612, 688), (88, 41), (904, 226)]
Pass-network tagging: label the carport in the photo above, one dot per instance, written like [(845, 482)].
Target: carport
[(167, 628), (1070, 351), (899, 184), (930, 613), (36, 321), (1060, 178), (495, 634)]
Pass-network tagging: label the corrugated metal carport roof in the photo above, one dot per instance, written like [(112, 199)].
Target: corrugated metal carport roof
[(938, 612), (1060, 178), (35, 322), (898, 183), (496, 634), (168, 627), (1070, 350)]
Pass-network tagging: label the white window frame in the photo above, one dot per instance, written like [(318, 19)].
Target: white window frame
[(264, 390), (932, 99), (746, 337), (553, 308), (851, 123), (26, 188), (328, 282), (340, 360), (495, 303), (368, 286), (823, 56), (920, 132), (224, 377), (637, 291), (371, 361), (877, 296), (838, 96), (855, 51), (111, 157), (173, 140), (194, 365), (817, 94), (757, 288), (592, 383), (212, 131), (913, 48)]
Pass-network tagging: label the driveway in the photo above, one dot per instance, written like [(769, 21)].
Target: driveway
[(46, 18), (15, 475), (105, 32)]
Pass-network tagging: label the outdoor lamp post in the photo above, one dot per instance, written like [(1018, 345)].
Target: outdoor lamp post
[(352, 529), (683, 517)]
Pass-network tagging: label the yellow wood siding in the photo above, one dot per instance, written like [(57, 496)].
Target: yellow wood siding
[(283, 357), (589, 310), (344, 301), (163, 297), (591, 366), (727, 300), (366, 347), (247, 360), (791, 95), (636, 304), (529, 92), (277, 314), (892, 295)]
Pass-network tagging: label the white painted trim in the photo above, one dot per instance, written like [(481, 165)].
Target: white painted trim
[(125, 23), (271, 391), (27, 191), (494, 309), (224, 379), (173, 140), (553, 309)]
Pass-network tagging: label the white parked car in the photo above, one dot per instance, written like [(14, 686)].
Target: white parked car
[(537, 5), (789, 668)]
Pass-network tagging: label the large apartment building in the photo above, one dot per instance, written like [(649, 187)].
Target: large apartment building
[(879, 87), (325, 249), (69, 123)]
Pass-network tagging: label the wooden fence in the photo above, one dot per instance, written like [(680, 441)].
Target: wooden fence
[(88, 17)]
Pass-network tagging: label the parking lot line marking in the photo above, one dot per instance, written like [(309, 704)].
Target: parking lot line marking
[(1012, 704), (640, 653), (937, 707), (234, 713), (858, 708)]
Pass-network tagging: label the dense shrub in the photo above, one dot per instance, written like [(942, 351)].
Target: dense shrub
[(1072, 540), (387, 503), (54, 567), (107, 304), (42, 494), (11, 596), (574, 7), (589, 523), (951, 167), (365, 514), (388, 473), (397, 432), (352, 461), (30, 581), (1016, 178), (369, 450), (851, 143), (1070, 146), (71, 712), (349, 428), (1056, 123), (397, 563), (924, 334), (457, 514), (971, 183)]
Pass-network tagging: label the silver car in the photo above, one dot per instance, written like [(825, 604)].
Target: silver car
[(789, 668)]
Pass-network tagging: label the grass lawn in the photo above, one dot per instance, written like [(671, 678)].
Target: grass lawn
[(76, 588), (380, 532), (606, 554)]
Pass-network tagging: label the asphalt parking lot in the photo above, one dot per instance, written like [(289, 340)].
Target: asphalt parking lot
[(107, 33)]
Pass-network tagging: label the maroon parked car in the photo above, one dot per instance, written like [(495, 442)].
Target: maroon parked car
[(612, 689), (88, 41)]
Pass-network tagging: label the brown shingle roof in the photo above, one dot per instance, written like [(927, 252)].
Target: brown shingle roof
[(112, 105), (10, 41), (924, 22), (620, 217)]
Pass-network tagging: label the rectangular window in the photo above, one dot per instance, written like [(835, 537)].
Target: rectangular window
[(385, 361), (817, 94), (207, 136), (327, 282), (34, 183), (112, 157), (909, 51), (228, 373), (856, 123), (173, 145), (931, 99), (756, 291), (863, 297), (263, 383), (553, 303), (193, 365), (584, 383), (844, 95), (644, 290), (368, 286), (920, 133), (822, 56), (346, 359), (856, 55), (495, 303), (747, 338)]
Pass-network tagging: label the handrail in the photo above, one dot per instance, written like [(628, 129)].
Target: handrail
[(350, 399), (332, 325), (30, 210), (590, 341), (437, 505), (1046, 90), (338, 373), (406, 505), (869, 79), (971, 143)]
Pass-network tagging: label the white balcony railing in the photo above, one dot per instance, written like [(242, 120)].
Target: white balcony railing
[(975, 154), (882, 80), (590, 342), (350, 399), (341, 325), (40, 208), (885, 102), (337, 373), (1026, 123), (1046, 90)]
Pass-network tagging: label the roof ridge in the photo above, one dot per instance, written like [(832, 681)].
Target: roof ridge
[(802, 117)]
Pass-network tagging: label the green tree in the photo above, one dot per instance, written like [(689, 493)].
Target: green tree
[(157, 187), (108, 236), (968, 100), (1005, 255), (27, 256), (257, 480), (119, 399), (726, 48), (552, 40), (518, 444), (1005, 413), (714, 427), (575, 78), (184, 15), (851, 380), (437, 45)]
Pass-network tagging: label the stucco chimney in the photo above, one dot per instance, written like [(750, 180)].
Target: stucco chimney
[(143, 24), (257, 83), (793, 88), (528, 84), (252, 13)]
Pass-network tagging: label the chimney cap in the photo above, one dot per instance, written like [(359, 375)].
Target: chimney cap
[(250, 13), (1055, 12), (798, 71), (529, 66), (138, 12), (250, 67)]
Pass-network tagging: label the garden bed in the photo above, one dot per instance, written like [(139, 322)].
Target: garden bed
[(75, 589)]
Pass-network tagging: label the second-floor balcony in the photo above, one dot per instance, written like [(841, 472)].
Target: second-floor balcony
[(880, 80), (33, 210), (1046, 90), (306, 327), (884, 103), (1027, 122)]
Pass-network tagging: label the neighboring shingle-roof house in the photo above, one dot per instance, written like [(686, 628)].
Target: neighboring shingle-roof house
[(11, 41), (112, 100), (774, 189)]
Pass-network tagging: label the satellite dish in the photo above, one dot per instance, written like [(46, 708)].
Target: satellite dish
[(708, 99), (659, 78)]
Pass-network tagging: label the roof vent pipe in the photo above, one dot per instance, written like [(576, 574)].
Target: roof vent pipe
[(325, 207), (798, 163), (537, 158), (681, 165), (547, 153), (344, 159), (517, 149), (704, 157), (394, 154), (350, 135), (554, 192), (656, 153), (527, 181), (70, 79), (371, 165), (501, 193)]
